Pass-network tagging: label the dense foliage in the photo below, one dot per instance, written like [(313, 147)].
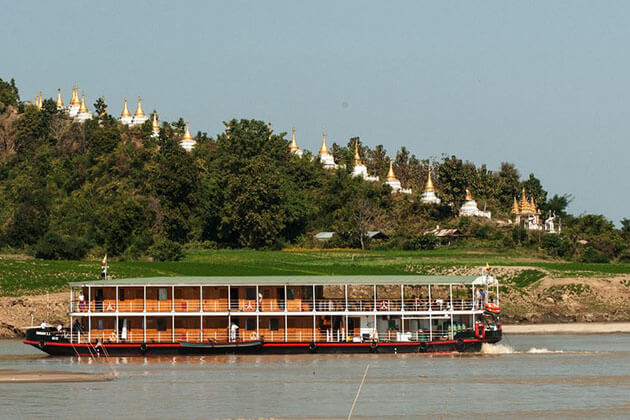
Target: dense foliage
[(70, 190)]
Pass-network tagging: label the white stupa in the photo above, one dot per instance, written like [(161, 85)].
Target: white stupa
[(125, 116), (75, 102), (325, 156), (187, 141), (393, 182), (359, 169), (428, 195), (293, 147), (469, 208), (83, 114), (139, 117)]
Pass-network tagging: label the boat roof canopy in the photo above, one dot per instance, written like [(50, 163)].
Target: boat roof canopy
[(279, 280)]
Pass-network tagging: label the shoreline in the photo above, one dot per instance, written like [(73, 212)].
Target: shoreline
[(569, 328)]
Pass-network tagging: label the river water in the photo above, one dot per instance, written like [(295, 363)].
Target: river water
[(523, 377)]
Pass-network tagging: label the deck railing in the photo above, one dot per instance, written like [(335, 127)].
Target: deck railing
[(273, 305)]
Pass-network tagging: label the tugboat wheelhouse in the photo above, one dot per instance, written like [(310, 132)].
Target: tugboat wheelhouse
[(277, 314)]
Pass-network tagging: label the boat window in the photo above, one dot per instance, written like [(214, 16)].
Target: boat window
[(121, 294), (161, 325), (250, 324), (290, 293), (250, 293), (273, 324), (162, 293), (99, 324)]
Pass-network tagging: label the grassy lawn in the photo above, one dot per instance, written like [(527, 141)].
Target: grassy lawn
[(19, 277)]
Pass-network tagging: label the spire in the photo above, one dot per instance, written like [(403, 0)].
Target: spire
[(324, 150), (293, 145), (83, 109), (524, 205), (429, 185), (187, 135), (38, 101), (390, 174), (139, 110), (59, 100), (75, 96), (155, 124), (468, 195), (125, 112), (515, 209), (357, 158), (532, 205)]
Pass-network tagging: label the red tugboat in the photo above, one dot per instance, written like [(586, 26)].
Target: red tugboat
[(273, 314)]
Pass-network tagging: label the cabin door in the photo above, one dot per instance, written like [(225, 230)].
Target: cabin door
[(281, 297), (122, 329), (233, 298), (99, 300)]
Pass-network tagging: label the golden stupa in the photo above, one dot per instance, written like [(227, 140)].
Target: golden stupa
[(139, 110), (428, 187), (390, 174), (324, 149), (125, 111)]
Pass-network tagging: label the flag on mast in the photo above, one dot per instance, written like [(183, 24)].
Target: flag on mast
[(104, 267)]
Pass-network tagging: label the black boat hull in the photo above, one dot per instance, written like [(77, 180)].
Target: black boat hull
[(154, 349)]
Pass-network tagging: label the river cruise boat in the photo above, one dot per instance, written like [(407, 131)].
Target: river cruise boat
[(274, 314)]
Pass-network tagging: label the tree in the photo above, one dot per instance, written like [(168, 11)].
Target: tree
[(558, 204), (9, 95), (534, 189)]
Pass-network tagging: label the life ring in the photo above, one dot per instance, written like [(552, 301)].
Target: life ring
[(459, 345), (312, 347), (422, 347), (384, 306), (480, 330), (491, 307), (373, 346)]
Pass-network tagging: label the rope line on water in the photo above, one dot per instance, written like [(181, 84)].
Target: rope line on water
[(358, 391)]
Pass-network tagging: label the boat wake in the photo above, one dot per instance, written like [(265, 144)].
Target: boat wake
[(505, 349)]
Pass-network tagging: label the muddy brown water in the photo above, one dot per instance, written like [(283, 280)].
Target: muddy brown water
[(524, 377)]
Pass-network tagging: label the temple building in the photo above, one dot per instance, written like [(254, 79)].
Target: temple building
[(428, 195), (359, 169), (75, 102), (527, 212), (83, 114), (293, 146), (125, 116), (469, 208), (155, 126), (393, 182), (325, 156), (187, 141), (139, 117)]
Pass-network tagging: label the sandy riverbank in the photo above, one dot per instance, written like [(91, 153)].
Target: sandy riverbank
[(40, 376), (569, 328)]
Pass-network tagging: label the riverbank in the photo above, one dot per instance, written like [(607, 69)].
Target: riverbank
[(570, 328)]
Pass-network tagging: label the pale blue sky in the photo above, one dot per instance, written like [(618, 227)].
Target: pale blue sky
[(543, 84)]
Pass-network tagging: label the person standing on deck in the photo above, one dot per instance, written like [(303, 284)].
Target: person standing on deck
[(477, 298), (233, 332), (260, 301)]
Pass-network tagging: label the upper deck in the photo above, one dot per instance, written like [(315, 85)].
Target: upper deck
[(277, 294)]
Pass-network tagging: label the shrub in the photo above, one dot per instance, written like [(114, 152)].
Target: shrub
[(421, 242), (53, 246), (592, 255), (166, 250), (556, 245)]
